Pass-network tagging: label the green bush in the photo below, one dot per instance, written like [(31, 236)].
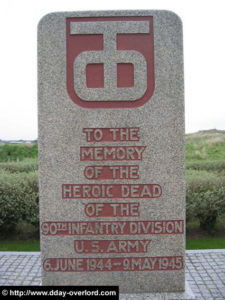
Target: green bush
[(18, 199), (18, 167), (15, 152), (214, 166), (205, 197)]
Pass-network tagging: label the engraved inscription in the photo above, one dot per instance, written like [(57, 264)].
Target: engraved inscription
[(111, 246), (83, 191), (116, 264), (111, 134), (112, 210), (99, 210), (112, 172), (113, 227), (121, 153)]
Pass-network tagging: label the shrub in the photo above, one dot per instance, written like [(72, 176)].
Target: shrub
[(205, 197), (15, 152), (18, 167), (214, 166), (18, 199)]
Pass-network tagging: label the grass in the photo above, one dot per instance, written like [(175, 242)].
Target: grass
[(205, 243), (205, 146), (6, 245)]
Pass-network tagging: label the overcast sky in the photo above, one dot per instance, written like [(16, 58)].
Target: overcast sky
[(204, 58)]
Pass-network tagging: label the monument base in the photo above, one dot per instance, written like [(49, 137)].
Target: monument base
[(186, 295)]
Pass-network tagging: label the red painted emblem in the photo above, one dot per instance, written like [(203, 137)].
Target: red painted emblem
[(110, 61)]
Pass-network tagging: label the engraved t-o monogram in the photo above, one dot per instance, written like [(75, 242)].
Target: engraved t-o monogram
[(110, 57)]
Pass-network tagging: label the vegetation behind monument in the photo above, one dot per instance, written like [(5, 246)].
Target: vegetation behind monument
[(205, 172)]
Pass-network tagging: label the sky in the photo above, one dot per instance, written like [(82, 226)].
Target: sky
[(204, 59)]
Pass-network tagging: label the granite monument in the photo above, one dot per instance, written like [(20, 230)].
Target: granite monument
[(111, 150)]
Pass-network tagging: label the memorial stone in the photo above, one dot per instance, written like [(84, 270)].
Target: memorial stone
[(111, 150)]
